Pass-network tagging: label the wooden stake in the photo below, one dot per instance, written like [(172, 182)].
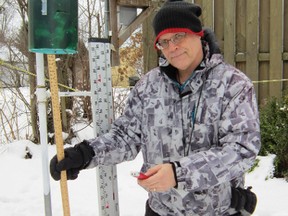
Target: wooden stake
[(58, 130)]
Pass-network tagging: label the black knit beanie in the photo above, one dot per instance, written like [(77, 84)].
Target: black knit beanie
[(177, 16)]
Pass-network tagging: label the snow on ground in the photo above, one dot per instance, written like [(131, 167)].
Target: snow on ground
[(21, 186), (272, 192)]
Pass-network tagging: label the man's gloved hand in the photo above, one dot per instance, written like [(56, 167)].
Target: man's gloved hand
[(76, 159)]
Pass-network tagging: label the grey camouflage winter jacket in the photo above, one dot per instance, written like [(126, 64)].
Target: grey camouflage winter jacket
[(209, 124)]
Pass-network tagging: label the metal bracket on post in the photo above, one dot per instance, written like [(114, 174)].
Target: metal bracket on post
[(42, 114), (102, 104)]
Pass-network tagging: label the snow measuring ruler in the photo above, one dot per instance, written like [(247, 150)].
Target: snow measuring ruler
[(102, 106)]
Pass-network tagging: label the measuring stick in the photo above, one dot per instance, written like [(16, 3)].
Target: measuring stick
[(58, 130), (102, 106)]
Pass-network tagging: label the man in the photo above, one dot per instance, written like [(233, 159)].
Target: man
[(195, 120)]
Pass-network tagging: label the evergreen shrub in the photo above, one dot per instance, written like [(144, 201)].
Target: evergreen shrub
[(274, 133)]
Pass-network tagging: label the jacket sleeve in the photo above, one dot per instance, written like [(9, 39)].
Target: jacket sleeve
[(122, 142), (237, 147)]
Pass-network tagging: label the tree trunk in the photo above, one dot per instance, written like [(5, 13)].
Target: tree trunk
[(33, 99)]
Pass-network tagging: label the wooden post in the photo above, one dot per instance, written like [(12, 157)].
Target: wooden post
[(285, 45), (58, 130), (252, 42), (115, 58), (276, 47), (150, 54), (219, 22), (264, 19), (229, 31), (207, 13)]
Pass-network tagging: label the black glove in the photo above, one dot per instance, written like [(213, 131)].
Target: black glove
[(211, 39), (76, 159), (243, 200)]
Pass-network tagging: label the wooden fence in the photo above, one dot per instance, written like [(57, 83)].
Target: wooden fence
[(253, 36)]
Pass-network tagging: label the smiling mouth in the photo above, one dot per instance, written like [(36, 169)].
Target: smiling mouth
[(177, 55)]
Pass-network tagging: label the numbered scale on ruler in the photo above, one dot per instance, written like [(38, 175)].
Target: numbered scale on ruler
[(102, 106)]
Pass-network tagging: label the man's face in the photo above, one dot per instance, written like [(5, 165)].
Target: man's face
[(184, 50)]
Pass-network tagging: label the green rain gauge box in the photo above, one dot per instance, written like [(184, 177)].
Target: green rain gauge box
[(53, 26)]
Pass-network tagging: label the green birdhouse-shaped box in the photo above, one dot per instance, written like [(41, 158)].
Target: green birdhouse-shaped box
[(53, 26)]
